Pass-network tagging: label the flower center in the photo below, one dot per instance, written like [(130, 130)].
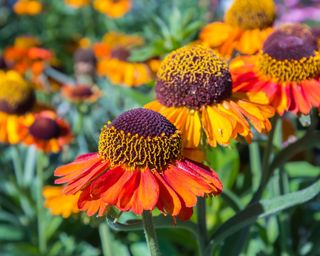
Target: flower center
[(140, 138), (193, 76), (82, 91), (44, 128), (290, 55), (120, 53), (251, 14), (16, 96), (85, 55)]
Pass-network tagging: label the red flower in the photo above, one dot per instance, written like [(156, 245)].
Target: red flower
[(139, 167)]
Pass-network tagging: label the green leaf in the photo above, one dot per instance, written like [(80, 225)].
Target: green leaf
[(302, 169), (262, 209), (8, 232)]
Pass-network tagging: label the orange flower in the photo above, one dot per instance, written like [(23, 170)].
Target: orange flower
[(138, 167), (113, 8), (27, 7), (246, 25), (113, 60), (25, 55), (77, 3), (47, 132), (81, 93), (287, 69), (58, 203), (194, 91), (17, 102)]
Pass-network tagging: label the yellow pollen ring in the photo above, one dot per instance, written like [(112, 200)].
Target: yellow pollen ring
[(289, 70), (135, 151), (251, 14), (189, 63)]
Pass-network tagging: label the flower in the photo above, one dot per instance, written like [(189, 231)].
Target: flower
[(113, 8), (246, 25), (81, 93), (316, 33), (194, 91), (287, 69), (58, 203), (77, 3), (113, 60), (47, 132), (26, 55), (138, 167), (27, 7), (17, 101)]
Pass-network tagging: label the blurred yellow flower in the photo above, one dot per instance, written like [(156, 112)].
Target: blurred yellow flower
[(113, 8), (27, 7), (77, 3), (58, 203)]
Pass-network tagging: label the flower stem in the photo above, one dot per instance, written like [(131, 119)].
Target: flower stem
[(41, 228), (150, 234), (202, 225), (105, 238)]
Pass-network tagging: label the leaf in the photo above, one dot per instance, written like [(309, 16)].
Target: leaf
[(8, 233), (262, 209), (302, 169)]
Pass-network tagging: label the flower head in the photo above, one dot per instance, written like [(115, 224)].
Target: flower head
[(139, 167), (251, 14), (287, 69), (47, 132), (113, 8), (81, 93), (246, 25), (27, 7), (77, 3), (194, 91), (113, 55)]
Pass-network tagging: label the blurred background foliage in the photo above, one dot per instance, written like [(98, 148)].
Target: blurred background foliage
[(165, 25)]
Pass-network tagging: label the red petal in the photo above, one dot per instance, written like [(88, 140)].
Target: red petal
[(186, 185), (168, 199)]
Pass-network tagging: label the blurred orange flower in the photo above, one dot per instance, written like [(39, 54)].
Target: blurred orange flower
[(77, 3), (113, 8), (58, 203), (47, 132), (81, 93), (27, 7), (113, 55), (246, 25)]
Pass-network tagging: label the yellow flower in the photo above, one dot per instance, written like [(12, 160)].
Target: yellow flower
[(194, 91), (27, 7), (17, 100), (77, 3), (246, 25), (58, 203), (113, 8)]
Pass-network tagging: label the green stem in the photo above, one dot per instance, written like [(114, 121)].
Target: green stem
[(150, 234), (202, 225), (265, 162), (105, 237), (41, 228)]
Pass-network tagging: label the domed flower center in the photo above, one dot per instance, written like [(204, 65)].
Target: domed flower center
[(16, 96), (140, 138), (44, 128), (120, 53), (82, 91), (290, 55), (251, 14), (193, 76)]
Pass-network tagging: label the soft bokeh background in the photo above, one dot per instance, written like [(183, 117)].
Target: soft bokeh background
[(164, 25)]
